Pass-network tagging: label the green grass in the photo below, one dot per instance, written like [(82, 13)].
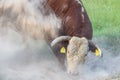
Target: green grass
[(104, 15), (105, 19)]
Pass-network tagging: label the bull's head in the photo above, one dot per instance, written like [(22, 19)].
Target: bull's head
[(77, 49)]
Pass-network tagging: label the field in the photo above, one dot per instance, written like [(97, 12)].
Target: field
[(105, 15)]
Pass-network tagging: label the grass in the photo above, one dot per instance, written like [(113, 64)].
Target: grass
[(104, 15), (105, 18)]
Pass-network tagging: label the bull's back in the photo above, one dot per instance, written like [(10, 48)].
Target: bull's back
[(75, 20)]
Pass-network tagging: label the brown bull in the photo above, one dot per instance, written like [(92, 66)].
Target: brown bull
[(75, 22)]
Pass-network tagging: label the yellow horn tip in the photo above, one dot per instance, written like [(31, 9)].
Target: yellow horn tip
[(97, 52), (63, 50)]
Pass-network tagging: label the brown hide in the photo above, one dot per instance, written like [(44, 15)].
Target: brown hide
[(74, 24)]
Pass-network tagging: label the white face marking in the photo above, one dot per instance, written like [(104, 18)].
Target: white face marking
[(76, 52)]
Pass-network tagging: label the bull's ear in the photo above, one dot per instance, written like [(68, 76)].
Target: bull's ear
[(95, 49)]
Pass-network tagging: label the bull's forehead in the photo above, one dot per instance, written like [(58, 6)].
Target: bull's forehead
[(76, 41), (77, 46)]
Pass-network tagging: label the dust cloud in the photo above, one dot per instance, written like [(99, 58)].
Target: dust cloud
[(33, 59)]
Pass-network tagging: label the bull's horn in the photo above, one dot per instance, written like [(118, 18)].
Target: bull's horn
[(59, 39)]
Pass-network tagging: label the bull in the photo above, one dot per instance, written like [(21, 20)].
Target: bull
[(75, 34), (64, 24)]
